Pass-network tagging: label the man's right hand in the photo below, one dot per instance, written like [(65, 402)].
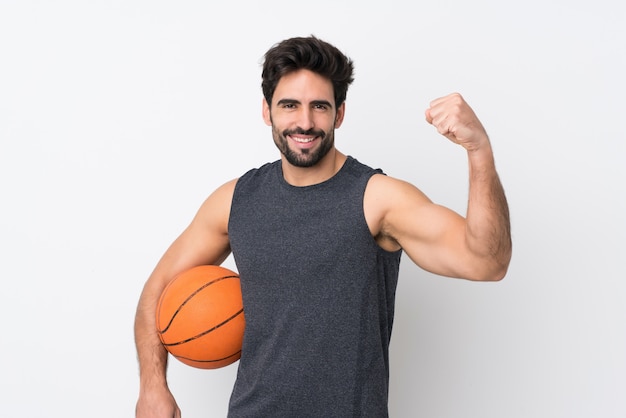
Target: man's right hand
[(157, 403)]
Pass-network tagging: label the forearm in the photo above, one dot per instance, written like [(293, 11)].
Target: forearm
[(151, 354), (155, 399), (488, 231)]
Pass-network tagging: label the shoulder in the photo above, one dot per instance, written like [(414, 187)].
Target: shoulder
[(354, 167), (224, 193), (385, 192), (205, 240), (257, 173), (216, 208), (388, 203), (218, 204)]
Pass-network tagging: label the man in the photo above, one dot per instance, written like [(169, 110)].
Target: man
[(317, 238)]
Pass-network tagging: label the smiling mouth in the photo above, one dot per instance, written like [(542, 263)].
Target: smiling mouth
[(302, 140), (301, 136)]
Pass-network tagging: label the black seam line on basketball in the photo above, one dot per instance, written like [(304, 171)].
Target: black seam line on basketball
[(164, 330), (205, 332), (208, 361)]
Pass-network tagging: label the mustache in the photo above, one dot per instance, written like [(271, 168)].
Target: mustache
[(300, 131)]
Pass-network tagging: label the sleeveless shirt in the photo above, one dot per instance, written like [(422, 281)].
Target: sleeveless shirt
[(318, 296)]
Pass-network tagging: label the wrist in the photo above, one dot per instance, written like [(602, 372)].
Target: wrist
[(151, 380), (481, 163)]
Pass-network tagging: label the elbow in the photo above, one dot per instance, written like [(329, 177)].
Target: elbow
[(494, 267), (487, 275), (492, 270), (496, 275), (499, 269)]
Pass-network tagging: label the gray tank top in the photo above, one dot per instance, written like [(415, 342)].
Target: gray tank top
[(318, 297)]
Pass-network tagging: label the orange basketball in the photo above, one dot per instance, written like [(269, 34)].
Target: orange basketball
[(200, 317)]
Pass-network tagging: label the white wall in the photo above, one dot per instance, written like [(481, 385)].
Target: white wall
[(117, 118)]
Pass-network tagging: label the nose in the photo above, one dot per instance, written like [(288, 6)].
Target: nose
[(305, 119)]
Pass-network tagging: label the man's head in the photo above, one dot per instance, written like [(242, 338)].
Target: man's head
[(311, 54), (305, 81)]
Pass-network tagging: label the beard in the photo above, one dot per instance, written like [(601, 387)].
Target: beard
[(304, 157)]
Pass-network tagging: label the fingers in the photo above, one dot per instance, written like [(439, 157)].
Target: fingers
[(441, 107), (443, 114), (455, 119), (429, 118)]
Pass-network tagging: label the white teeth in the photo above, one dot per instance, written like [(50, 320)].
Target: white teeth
[(302, 140)]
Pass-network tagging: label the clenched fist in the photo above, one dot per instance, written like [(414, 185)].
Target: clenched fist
[(456, 120)]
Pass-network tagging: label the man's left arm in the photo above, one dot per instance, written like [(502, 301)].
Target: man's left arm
[(487, 224), (474, 247)]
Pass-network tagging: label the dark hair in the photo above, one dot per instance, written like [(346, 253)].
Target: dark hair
[(311, 54)]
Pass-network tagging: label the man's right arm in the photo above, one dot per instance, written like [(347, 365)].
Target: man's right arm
[(204, 241)]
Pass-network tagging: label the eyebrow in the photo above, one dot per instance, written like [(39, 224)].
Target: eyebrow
[(313, 102)]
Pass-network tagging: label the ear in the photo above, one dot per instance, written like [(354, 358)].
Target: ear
[(267, 117), (341, 111)]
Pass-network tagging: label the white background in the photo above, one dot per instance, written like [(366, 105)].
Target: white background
[(117, 119)]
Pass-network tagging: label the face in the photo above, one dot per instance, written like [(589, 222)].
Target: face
[(303, 117)]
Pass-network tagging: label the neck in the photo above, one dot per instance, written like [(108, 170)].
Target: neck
[(320, 172)]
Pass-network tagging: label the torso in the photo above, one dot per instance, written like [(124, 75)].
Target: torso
[(318, 293)]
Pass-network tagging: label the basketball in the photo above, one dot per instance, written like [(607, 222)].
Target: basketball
[(200, 317)]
